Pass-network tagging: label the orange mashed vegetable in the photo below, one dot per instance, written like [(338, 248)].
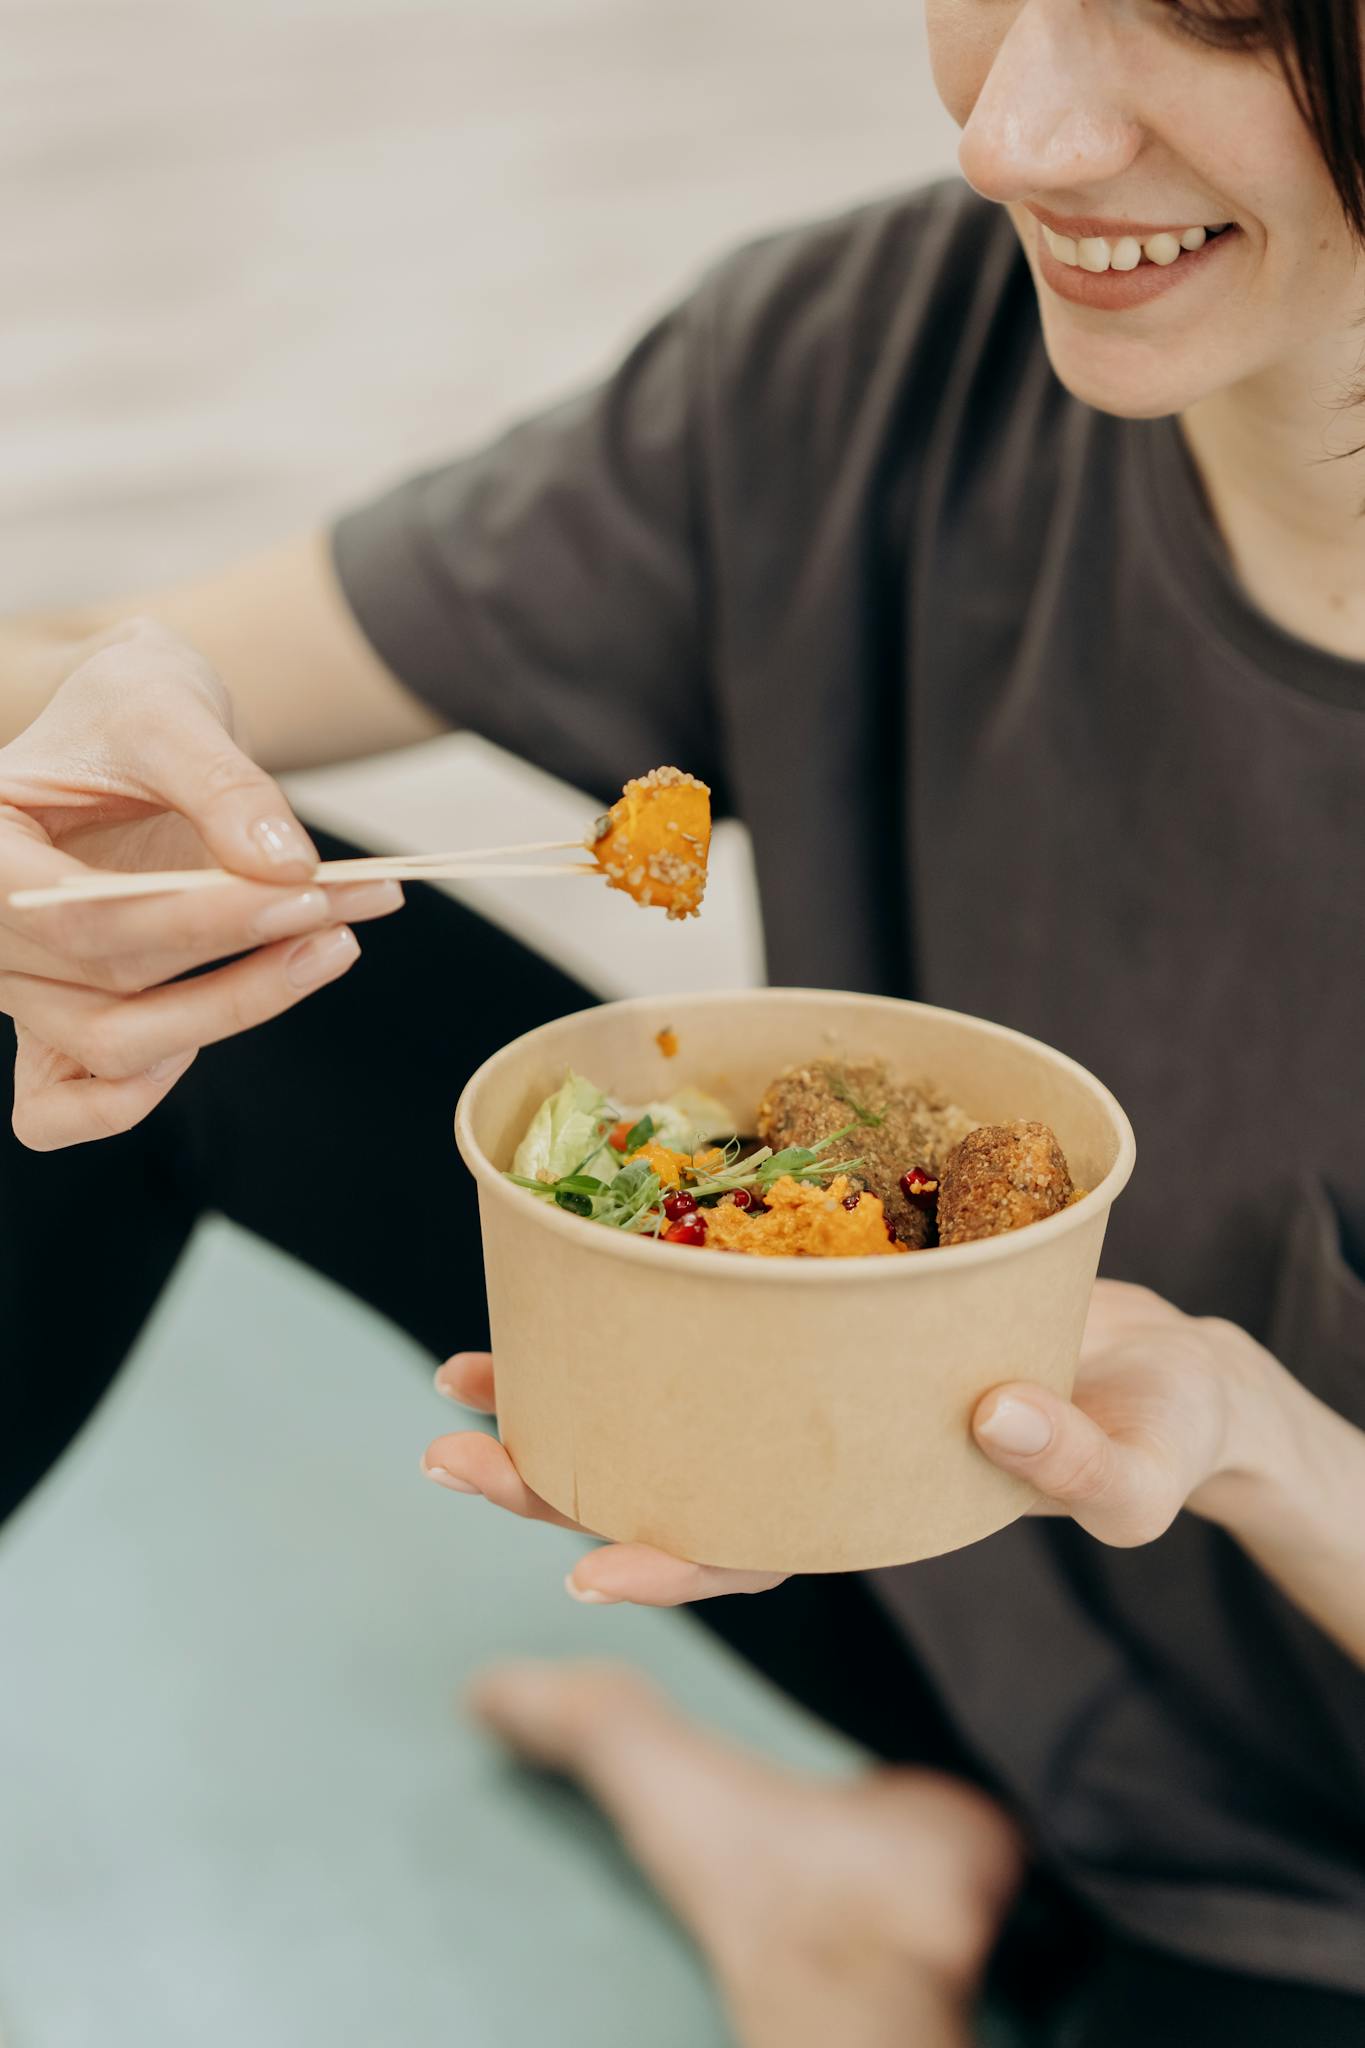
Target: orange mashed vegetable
[(669, 1164), (803, 1221), (655, 840)]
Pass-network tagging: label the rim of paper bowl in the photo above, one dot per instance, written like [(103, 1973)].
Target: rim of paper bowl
[(718, 1265)]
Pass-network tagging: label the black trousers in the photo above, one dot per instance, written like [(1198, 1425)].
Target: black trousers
[(328, 1133)]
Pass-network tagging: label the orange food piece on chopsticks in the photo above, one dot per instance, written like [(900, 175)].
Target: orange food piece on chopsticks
[(655, 840)]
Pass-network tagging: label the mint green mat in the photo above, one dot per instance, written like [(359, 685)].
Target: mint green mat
[(238, 1808), (238, 1805)]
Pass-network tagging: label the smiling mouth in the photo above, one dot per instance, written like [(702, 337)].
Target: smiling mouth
[(1098, 253)]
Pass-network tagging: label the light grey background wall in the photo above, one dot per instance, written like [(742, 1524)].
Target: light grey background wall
[(261, 258)]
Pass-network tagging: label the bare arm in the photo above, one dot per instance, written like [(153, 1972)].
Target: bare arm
[(306, 685), (1295, 1501)]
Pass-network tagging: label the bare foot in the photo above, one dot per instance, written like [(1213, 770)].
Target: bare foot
[(866, 1901)]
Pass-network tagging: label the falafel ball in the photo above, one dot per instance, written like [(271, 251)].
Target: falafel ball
[(1000, 1177), (895, 1128)]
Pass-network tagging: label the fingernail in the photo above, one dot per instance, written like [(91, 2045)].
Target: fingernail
[(291, 914), (587, 1597), (322, 958), (164, 1069), (444, 1478), (450, 1394), (280, 839), (1016, 1426), (366, 899)]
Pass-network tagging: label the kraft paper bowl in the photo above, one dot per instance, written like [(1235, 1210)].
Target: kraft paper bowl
[(798, 1415)]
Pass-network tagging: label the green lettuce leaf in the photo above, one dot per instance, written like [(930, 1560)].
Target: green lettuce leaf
[(568, 1133), (689, 1118)]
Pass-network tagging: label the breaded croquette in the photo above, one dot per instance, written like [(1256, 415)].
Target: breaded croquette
[(998, 1178), (894, 1127)]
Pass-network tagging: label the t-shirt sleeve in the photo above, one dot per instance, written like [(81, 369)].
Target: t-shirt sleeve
[(546, 591)]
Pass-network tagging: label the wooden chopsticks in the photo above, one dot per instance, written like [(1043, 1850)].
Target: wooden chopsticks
[(473, 864)]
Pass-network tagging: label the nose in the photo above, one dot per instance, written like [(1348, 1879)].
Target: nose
[(1055, 110)]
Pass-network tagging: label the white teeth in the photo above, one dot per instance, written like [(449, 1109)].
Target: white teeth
[(1062, 246), (1097, 254)]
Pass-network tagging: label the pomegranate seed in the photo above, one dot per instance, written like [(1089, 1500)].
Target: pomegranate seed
[(919, 1187), (852, 1201), (743, 1198), (689, 1230), (678, 1205)]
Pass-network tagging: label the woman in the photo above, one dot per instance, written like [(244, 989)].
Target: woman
[(996, 555)]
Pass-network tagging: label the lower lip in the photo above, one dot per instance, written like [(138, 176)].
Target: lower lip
[(1113, 291)]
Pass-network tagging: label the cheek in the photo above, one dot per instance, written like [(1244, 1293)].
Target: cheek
[(962, 48), (1265, 165)]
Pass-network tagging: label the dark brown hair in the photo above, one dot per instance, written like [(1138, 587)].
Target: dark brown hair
[(1318, 45)]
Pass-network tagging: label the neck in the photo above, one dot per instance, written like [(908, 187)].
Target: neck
[(1289, 499)]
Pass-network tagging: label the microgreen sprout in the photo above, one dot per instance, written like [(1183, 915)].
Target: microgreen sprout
[(576, 1192), (763, 1167), (840, 1089), (631, 1197)]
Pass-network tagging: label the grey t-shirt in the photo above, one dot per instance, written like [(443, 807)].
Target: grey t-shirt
[(970, 661)]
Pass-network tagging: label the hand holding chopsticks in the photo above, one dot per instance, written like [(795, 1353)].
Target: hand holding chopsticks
[(653, 844), (116, 978)]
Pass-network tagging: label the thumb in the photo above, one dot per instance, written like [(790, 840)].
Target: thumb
[(1115, 1490), (239, 811)]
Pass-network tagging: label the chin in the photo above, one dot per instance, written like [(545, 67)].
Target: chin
[(1129, 382)]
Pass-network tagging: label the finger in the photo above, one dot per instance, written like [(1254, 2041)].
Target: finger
[(118, 1037), (470, 1462), (651, 1578), (30, 861), (240, 812), (129, 946), (52, 1113), (1122, 1493), (468, 1379)]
